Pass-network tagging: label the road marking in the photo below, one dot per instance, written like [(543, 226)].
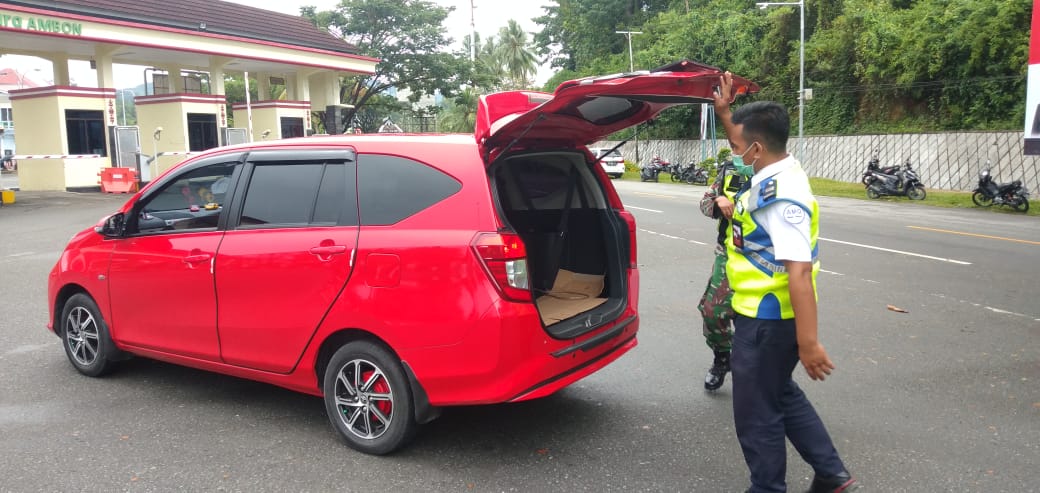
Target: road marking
[(962, 233), (985, 307), (831, 272), (642, 209), (670, 237), (912, 254), (654, 195)]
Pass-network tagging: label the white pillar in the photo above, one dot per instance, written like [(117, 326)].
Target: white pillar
[(173, 74), (60, 63), (263, 86)]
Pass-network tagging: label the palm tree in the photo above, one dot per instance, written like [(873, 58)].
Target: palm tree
[(515, 53), (461, 115), (490, 69)]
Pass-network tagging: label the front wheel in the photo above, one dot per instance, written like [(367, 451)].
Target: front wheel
[(916, 193), (872, 193), (982, 200), (85, 337), (368, 399), (676, 177)]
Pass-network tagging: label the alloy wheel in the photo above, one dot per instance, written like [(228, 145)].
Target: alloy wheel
[(364, 399), (82, 336)]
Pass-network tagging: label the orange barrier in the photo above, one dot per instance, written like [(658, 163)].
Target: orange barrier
[(118, 180)]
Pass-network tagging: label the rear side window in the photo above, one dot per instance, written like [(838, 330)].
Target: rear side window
[(300, 194), (392, 188)]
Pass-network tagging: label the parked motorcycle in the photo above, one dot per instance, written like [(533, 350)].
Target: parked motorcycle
[(651, 170), (902, 182), (988, 193), (874, 166), (694, 175)]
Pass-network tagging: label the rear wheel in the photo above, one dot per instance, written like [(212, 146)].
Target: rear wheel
[(916, 193), (1022, 205), (981, 199), (368, 399), (85, 337)]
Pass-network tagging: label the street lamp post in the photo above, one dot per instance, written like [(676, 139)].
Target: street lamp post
[(21, 76), (122, 102), (801, 68), (632, 68)]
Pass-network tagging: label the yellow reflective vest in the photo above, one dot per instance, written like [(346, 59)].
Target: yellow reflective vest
[(759, 281)]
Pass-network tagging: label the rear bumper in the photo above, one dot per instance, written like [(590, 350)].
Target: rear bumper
[(562, 380), (511, 358)]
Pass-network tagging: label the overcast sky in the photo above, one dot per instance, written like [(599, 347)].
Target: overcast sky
[(489, 16)]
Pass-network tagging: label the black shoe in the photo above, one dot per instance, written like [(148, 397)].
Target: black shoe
[(842, 483), (717, 373)]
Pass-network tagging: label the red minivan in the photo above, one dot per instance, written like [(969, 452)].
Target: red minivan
[(391, 274)]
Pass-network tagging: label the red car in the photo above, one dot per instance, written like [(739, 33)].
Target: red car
[(393, 275)]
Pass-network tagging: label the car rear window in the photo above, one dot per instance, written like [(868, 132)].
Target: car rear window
[(392, 188)]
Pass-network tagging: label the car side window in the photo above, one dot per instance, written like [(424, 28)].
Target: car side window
[(393, 188), (192, 201), (297, 194)]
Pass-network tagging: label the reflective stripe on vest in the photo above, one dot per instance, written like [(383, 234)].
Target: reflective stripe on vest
[(758, 280)]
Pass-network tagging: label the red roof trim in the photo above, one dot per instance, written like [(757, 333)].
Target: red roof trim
[(62, 91), (180, 98), (154, 27), (303, 105)]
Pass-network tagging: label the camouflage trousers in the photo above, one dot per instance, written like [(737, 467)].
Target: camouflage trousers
[(716, 306)]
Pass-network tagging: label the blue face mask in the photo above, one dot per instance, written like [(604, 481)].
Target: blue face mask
[(745, 170)]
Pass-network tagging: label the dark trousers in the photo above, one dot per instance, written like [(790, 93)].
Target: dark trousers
[(768, 405)]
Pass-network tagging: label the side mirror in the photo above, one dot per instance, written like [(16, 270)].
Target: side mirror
[(113, 226)]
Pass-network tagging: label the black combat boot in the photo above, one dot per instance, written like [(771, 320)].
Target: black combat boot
[(717, 373), (842, 483)]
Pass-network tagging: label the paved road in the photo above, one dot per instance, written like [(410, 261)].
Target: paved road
[(943, 398)]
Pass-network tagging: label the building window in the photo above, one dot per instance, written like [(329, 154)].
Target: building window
[(202, 131), (86, 130), (292, 127), (6, 118)]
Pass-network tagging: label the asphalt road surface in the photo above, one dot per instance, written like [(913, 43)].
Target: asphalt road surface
[(942, 398)]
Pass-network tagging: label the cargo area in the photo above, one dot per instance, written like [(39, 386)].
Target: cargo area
[(576, 243)]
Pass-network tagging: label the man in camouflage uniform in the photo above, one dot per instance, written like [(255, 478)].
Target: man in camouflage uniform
[(715, 306)]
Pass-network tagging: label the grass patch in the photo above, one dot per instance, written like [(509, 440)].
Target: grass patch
[(938, 198)]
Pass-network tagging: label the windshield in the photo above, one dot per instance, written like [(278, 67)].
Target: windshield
[(601, 152)]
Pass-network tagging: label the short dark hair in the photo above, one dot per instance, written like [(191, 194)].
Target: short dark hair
[(766, 122)]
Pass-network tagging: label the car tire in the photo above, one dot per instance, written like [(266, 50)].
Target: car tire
[(368, 399), (84, 335)]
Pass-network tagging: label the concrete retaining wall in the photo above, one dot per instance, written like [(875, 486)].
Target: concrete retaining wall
[(946, 161)]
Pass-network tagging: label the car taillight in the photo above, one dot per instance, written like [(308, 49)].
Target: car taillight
[(630, 220), (505, 260)]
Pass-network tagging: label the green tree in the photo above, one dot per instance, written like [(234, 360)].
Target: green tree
[(515, 54), (461, 114), (409, 38)]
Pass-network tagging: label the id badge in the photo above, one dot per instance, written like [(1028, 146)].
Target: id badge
[(738, 235)]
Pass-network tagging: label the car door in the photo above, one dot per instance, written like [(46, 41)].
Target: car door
[(287, 255), (161, 273), (584, 111)]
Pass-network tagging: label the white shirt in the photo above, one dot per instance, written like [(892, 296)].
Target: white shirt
[(787, 224)]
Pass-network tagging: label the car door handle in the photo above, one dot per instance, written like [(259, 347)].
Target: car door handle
[(195, 259), (328, 250)]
